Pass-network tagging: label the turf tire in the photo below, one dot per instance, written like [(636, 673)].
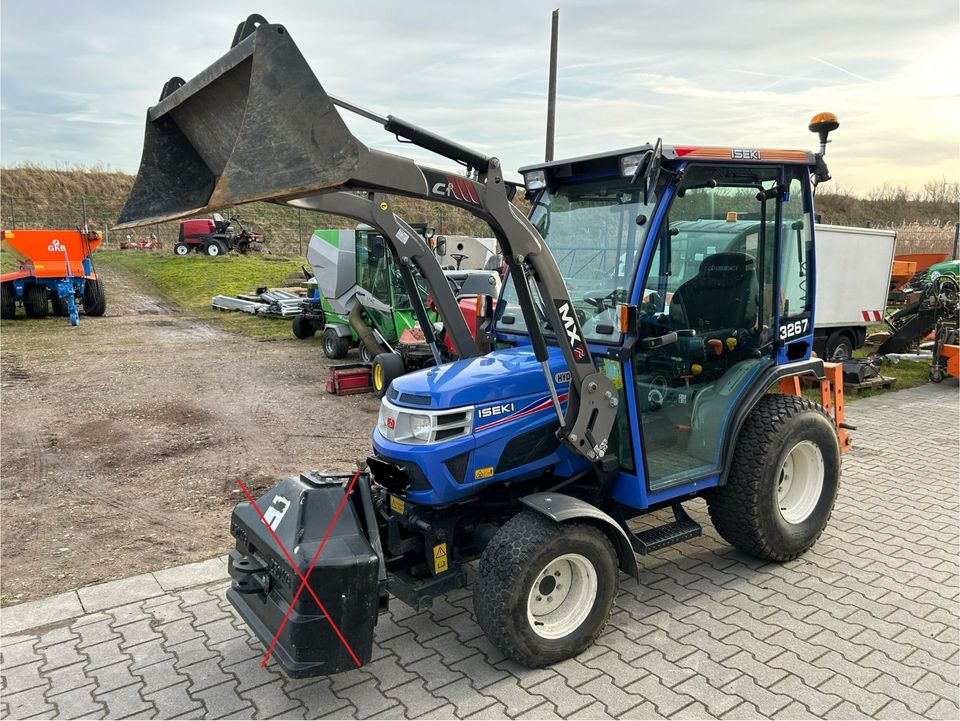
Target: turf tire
[(511, 564), (745, 511), (386, 368), (334, 347), (303, 327)]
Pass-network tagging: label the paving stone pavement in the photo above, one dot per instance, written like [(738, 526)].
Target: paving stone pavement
[(864, 625)]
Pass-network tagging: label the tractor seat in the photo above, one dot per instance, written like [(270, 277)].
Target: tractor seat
[(723, 295)]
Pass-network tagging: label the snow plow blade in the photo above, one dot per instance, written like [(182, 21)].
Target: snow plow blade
[(348, 580), (254, 125)]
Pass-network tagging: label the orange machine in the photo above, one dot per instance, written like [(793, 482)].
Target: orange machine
[(55, 267), (831, 398)]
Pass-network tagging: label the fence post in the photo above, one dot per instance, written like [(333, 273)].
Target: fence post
[(13, 215), (956, 240), (158, 232), (83, 210), (106, 233), (299, 231)]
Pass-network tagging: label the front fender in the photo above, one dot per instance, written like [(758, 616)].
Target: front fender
[(560, 508)]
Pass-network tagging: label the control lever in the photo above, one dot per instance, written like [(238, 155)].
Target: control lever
[(659, 341)]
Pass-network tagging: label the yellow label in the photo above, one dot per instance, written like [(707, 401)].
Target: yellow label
[(397, 505), (483, 473), (611, 369), (440, 558)]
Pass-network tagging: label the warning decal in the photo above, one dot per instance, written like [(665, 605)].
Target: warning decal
[(440, 558)]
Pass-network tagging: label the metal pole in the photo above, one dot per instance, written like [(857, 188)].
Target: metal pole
[(83, 209), (299, 232), (956, 240), (552, 88), (13, 215), (158, 232)]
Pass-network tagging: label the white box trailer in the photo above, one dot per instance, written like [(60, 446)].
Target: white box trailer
[(853, 280)]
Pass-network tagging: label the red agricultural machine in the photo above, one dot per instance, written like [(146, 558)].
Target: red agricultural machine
[(214, 237), (55, 268)]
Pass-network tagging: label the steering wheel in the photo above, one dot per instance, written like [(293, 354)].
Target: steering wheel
[(459, 258), (599, 299)]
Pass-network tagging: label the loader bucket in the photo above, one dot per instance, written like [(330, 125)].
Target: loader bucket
[(255, 125)]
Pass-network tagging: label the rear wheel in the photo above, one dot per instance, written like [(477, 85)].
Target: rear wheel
[(783, 480), (839, 346), (386, 368), (94, 297), (35, 300), (8, 301), (544, 590), (334, 346), (215, 248), (181, 249), (303, 327)]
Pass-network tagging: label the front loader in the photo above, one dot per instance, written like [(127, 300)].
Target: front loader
[(615, 389)]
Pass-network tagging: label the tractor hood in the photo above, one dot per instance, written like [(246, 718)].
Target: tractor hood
[(500, 375)]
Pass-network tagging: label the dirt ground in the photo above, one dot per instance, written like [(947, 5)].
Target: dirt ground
[(121, 440)]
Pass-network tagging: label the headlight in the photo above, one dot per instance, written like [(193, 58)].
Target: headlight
[(396, 423), (420, 427)]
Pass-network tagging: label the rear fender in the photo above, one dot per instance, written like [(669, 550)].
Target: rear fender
[(561, 508)]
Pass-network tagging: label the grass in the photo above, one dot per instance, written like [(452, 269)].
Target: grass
[(191, 282)]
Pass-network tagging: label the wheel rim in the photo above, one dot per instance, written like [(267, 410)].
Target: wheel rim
[(801, 482), (562, 596), (842, 351), (182, 250), (378, 376), (213, 250), (328, 346)]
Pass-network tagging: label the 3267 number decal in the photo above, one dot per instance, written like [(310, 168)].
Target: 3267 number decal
[(794, 329)]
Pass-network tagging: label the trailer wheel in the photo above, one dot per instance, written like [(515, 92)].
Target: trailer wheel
[(544, 590), (783, 481), (60, 307), (303, 327), (35, 300), (181, 249), (94, 297), (8, 301), (839, 346), (334, 346)]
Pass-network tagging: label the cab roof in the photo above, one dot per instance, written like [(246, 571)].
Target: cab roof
[(600, 162)]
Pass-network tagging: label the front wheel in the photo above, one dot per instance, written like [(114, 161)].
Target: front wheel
[(783, 481), (544, 590), (386, 368)]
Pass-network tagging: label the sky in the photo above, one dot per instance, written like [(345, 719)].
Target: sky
[(76, 77)]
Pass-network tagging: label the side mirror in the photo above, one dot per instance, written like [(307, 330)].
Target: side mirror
[(823, 124), (441, 247)]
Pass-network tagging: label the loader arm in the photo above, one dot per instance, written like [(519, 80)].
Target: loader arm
[(409, 248), (257, 125)]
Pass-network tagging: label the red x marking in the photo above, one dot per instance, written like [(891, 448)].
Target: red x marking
[(303, 578)]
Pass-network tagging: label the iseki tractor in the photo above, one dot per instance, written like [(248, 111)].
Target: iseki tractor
[(612, 385)]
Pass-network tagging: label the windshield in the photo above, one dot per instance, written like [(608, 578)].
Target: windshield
[(595, 233)]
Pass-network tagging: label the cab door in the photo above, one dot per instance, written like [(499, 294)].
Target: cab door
[(707, 315)]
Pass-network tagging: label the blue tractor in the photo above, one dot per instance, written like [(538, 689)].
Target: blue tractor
[(626, 369)]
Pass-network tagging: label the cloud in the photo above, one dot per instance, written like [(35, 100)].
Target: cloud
[(76, 78)]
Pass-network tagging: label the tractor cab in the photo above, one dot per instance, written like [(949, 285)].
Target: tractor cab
[(690, 283)]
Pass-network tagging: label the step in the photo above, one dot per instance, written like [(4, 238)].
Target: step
[(682, 529)]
